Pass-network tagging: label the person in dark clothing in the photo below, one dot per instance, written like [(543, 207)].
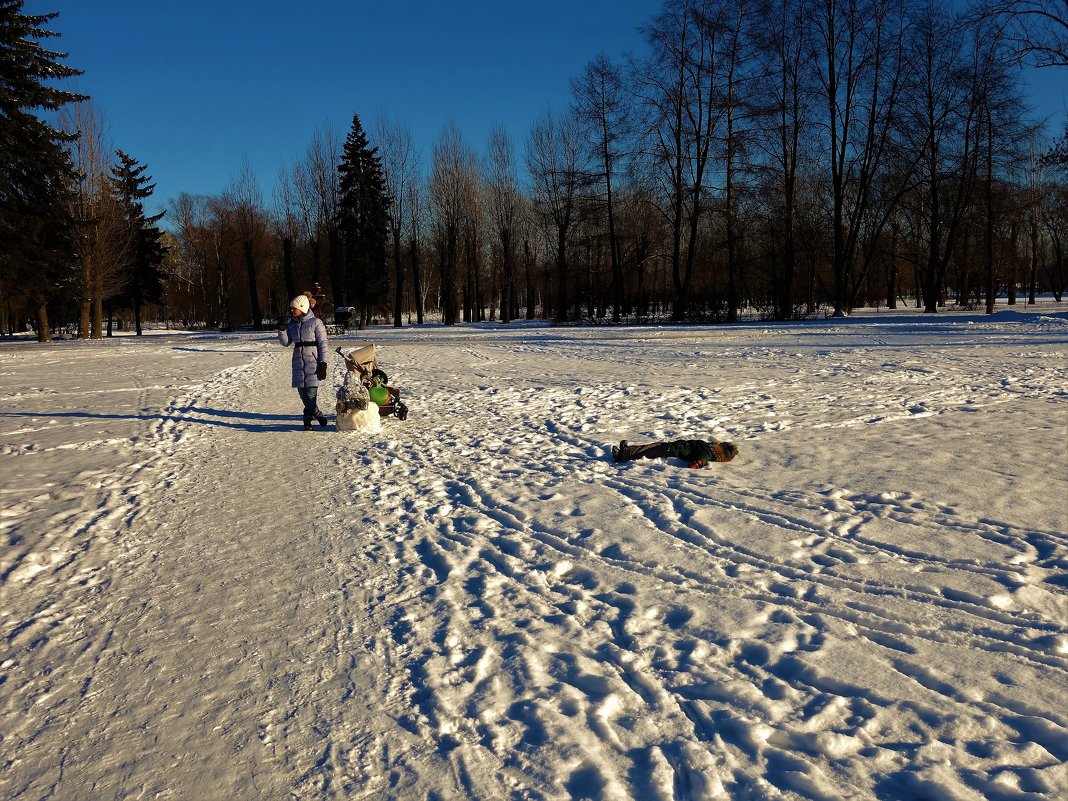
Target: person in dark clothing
[(695, 452), (319, 305)]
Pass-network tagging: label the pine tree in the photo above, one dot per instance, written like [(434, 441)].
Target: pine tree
[(37, 235), (363, 219), (144, 283)]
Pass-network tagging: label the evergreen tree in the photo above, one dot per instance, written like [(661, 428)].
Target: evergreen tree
[(363, 220), (37, 233), (145, 279)]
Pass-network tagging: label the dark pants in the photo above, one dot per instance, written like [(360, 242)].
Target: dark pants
[(308, 396), (654, 450)]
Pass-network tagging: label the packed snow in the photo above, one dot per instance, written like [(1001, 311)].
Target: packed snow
[(200, 600)]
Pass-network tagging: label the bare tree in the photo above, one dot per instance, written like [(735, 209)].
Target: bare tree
[(1053, 201), (683, 110), (400, 168), (504, 206), (189, 214), (861, 74), (531, 254), (603, 113), (103, 241), (250, 226), (1003, 137), (1036, 29), (417, 212), (291, 219), (786, 99), (1033, 222), (450, 196), (730, 26), (554, 155), (472, 235), (316, 184)]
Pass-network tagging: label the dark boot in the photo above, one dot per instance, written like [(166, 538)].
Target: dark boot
[(307, 422), (321, 418), (621, 453)]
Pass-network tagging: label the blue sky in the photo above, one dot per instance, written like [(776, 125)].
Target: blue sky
[(193, 88)]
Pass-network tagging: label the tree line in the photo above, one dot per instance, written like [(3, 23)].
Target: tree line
[(778, 158)]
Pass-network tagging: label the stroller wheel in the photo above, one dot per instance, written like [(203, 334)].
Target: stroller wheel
[(401, 411)]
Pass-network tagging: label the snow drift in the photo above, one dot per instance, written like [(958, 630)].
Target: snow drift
[(201, 600)]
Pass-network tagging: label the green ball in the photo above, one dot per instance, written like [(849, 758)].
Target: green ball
[(379, 395)]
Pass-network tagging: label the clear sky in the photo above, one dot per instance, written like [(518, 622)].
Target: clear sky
[(194, 87)]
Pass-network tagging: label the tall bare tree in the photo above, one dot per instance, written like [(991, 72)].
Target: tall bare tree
[(603, 109), (554, 160), (291, 223), (103, 243), (731, 23), (1036, 29), (400, 169), (316, 183), (786, 100), (531, 255), (473, 295), (1003, 137), (416, 201), (451, 194), (683, 109), (504, 207), (191, 282), (251, 229), (862, 78)]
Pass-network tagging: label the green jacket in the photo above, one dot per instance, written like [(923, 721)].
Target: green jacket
[(695, 452)]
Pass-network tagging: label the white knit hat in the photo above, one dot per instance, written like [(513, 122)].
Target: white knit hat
[(300, 303)]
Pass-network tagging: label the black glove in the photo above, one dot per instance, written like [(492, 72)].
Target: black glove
[(282, 324), (321, 371)]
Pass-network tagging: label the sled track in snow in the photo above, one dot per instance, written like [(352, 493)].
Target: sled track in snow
[(477, 604)]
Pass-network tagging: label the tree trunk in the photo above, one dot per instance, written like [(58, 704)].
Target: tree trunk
[(1013, 240), (417, 282), (98, 317), (44, 333), (1032, 272), (84, 314), (253, 290), (398, 288), (287, 268), (507, 276), (529, 265), (561, 274), (991, 286), (448, 277)]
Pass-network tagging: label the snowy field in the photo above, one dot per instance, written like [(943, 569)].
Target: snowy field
[(199, 600)]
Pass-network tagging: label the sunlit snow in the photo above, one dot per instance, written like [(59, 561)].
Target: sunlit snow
[(200, 600)]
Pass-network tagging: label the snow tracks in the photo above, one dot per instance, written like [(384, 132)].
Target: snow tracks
[(477, 604)]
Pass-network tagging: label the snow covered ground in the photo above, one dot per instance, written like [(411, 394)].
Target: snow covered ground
[(199, 600)]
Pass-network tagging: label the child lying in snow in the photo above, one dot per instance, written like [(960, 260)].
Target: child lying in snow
[(696, 452)]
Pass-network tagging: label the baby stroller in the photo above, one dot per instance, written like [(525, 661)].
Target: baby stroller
[(365, 381)]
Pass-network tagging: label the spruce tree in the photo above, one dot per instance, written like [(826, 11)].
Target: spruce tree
[(144, 278), (37, 236), (363, 219)]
